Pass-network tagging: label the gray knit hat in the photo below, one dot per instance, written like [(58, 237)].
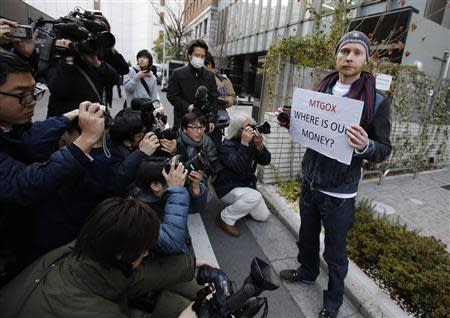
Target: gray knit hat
[(355, 37)]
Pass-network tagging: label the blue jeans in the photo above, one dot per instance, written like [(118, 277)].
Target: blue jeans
[(337, 216)]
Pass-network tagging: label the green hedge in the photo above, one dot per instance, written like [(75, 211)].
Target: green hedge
[(415, 269)]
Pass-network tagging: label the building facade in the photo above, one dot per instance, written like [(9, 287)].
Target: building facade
[(201, 19), (247, 29)]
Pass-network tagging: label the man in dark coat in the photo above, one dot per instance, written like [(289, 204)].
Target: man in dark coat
[(69, 86), (185, 81), (29, 167)]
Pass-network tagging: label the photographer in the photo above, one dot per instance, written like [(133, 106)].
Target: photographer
[(193, 140), (239, 155), (130, 145), (140, 81), (23, 179), (166, 194), (77, 78), (185, 81), (152, 117), (103, 271)]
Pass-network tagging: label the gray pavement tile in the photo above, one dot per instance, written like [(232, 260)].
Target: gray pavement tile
[(309, 298), (276, 242)]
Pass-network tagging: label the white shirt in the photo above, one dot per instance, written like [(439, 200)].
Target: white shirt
[(340, 89)]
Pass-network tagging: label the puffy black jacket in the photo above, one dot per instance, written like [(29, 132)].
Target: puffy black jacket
[(239, 165)]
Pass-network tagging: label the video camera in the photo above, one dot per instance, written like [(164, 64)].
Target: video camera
[(262, 129), (224, 301), (201, 105), (199, 162), (88, 32)]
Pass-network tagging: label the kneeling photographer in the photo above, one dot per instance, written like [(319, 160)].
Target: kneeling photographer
[(241, 151)]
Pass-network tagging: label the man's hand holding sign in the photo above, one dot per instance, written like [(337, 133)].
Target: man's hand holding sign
[(327, 124)]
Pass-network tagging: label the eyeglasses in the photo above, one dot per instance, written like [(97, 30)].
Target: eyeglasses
[(28, 98), (197, 128)]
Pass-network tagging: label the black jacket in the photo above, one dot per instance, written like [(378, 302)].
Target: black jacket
[(183, 85), (68, 87), (239, 165)]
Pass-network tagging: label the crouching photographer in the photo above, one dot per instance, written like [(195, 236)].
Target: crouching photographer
[(30, 166), (110, 265), (241, 151)]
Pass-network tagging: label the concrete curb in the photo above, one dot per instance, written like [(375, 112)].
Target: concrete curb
[(361, 291)]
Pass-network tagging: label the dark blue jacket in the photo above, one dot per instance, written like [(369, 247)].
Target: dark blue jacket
[(239, 165), (172, 210), (124, 168), (58, 218), (324, 173), (25, 181)]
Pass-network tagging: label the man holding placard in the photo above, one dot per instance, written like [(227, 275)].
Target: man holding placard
[(338, 137)]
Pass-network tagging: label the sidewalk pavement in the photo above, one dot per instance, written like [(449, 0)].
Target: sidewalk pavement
[(362, 298), (421, 203)]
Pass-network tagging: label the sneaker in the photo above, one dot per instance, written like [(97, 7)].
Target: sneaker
[(229, 229), (291, 275), (327, 314)]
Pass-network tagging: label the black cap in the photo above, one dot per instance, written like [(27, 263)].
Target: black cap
[(355, 37)]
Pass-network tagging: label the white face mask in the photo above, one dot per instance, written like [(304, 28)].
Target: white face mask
[(197, 62)]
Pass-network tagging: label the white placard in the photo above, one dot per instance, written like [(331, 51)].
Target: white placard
[(318, 122), (383, 82)]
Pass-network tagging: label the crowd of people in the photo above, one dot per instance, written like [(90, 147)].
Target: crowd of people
[(94, 209)]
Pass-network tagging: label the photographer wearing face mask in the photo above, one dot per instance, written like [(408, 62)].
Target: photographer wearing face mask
[(185, 81)]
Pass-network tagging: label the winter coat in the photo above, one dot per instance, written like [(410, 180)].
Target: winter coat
[(239, 165), (183, 84), (172, 210), (30, 171), (61, 285), (134, 88), (68, 86)]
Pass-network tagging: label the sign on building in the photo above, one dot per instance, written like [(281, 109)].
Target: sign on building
[(318, 122)]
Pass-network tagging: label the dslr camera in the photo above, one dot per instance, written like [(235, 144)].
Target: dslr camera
[(262, 129), (199, 162), (284, 116)]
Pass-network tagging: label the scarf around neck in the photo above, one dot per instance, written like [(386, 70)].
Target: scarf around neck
[(191, 145), (362, 89)]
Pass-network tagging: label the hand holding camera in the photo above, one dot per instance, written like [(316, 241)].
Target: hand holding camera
[(149, 144), (258, 140), (247, 135), (92, 125), (176, 177), (169, 146), (195, 177)]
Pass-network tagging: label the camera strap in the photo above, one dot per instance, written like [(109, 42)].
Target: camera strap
[(87, 77), (144, 83)]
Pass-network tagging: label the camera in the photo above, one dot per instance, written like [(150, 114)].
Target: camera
[(199, 162), (224, 301), (168, 133), (284, 116), (88, 32), (262, 129), (22, 32), (201, 105)]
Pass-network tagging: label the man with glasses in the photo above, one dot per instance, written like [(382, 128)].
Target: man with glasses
[(193, 140), (24, 179)]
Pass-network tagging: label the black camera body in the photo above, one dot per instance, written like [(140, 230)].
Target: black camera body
[(284, 117), (199, 162), (168, 133), (262, 129), (225, 301)]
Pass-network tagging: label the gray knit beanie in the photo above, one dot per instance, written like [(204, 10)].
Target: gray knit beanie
[(355, 37)]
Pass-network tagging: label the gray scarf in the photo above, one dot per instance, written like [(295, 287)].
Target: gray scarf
[(192, 146)]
